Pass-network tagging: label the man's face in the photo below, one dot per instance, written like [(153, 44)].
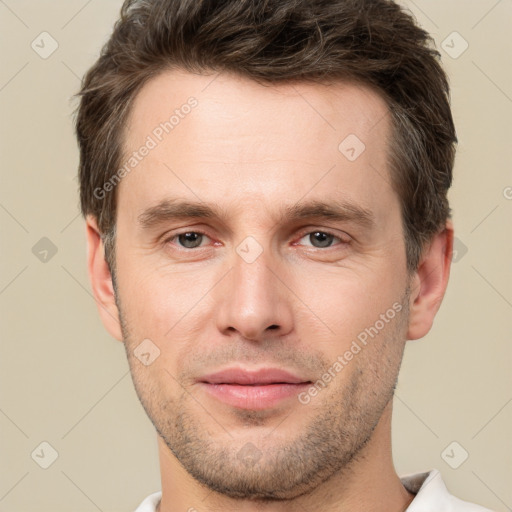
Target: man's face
[(266, 283)]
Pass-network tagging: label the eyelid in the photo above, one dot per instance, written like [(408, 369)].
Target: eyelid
[(171, 237), (305, 231), (344, 238)]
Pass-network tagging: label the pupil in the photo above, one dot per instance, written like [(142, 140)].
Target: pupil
[(189, 240), (322, 239)]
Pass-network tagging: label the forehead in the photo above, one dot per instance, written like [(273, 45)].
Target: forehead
[(210, 133), (246, 103)]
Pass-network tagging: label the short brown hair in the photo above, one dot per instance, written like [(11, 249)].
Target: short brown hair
[(374, 42)]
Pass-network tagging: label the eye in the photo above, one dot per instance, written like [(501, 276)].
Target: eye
[(188, 239), (321, 239)]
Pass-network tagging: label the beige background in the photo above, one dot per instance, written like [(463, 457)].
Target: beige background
[(64, 381)]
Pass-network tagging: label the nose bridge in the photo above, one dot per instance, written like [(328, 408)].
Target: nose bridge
[(253, 298)]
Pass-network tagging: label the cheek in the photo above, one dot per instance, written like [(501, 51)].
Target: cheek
[(346, 300), (159, 302)]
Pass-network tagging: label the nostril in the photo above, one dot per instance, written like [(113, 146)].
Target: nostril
[(273, 326)]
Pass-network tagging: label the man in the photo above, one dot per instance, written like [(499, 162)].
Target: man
[(264, 185)]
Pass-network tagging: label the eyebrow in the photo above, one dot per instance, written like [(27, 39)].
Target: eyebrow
[(174, 209)]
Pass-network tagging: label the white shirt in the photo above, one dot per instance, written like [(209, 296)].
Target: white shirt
[(431, 496)]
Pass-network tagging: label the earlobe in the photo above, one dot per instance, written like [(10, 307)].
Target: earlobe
[(429, 283), (101, 280)]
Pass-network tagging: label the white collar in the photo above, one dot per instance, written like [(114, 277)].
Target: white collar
[(432, 495)]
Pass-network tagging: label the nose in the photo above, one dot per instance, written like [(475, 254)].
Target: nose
[(254, 300)]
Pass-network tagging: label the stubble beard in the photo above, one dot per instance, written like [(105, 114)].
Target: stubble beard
[(275, 468)]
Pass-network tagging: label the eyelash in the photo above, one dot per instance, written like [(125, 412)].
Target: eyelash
[(302, 235)]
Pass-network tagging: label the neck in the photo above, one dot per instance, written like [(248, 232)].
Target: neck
[(369, 482)]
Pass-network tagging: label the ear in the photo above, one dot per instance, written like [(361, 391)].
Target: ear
[(429, 283), (101, 280)]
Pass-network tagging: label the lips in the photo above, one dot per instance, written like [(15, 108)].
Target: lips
[(260, 377), (253, 389)]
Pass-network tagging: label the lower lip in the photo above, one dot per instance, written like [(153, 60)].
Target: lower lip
[(256, 398)]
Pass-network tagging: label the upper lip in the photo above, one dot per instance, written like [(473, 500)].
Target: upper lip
[(252, 377)]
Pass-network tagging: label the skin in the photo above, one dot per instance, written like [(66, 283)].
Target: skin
[(252, 149)]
